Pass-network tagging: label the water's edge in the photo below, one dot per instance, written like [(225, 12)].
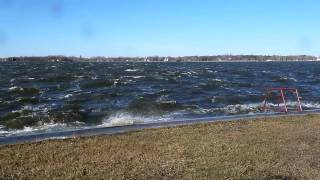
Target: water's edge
[(135, 127), (47, 97)]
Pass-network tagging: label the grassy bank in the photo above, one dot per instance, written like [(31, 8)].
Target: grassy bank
[(269, 148)]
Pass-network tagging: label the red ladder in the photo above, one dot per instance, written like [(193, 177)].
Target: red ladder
[(282, 99)]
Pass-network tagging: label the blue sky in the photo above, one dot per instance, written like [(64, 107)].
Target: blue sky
[(158, 27)]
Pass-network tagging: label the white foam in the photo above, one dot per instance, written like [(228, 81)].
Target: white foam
[(131, 70), (14, 88), (310, 105), (137, 77), (288, 78), (314, 105), (116, 81), (217, 80), (134, 77), (293, 79), (121, 119), (46, 127), (67, 96), (234, 109), (125, 118)]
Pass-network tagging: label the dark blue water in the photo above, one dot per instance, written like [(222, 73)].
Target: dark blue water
[(55, 96)]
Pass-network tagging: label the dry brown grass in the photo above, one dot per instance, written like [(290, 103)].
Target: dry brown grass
[(270, 148)]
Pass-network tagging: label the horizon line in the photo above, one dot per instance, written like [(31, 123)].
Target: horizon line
[(81, 56)]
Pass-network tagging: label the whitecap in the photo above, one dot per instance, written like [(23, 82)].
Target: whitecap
[(44, 128), (134, 77), (137, 77), (125, 118), (291, 104), (68, 96), (313, 105), (239, 108), (131, 70), (293, 79), (217, 80), (14, 88), (122, 119), (236, 108)]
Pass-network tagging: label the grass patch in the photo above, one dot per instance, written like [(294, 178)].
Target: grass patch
[(268, 148)]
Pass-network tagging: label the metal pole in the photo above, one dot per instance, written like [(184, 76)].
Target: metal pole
[(265, 101), (284, 101), (298, 98)]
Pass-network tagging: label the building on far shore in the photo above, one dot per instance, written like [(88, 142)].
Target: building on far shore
[(318, 58), (146, 59)]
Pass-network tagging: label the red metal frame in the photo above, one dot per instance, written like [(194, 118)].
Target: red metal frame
[(282, 99)]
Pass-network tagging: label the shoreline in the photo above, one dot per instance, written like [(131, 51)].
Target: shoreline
[(215, 61), (264, 148), (163, 58), (95, 131)]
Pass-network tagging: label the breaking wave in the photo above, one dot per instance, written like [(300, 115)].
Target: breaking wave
[(47, 96), (122, 119), (45, 128)]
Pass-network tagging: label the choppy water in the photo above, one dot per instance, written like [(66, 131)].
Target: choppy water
[(55, 96)]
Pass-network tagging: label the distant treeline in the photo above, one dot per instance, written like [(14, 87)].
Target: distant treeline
[(165, 59)]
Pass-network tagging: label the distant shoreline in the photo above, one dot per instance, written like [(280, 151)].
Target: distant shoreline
[(216, 58)]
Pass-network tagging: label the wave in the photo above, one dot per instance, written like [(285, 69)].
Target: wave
[(32, 91), (125, 118), (213, 84), (134, 77), (121, 119), (130, 93), (45, 128), (131, 70), (285, 79), (97, 83), (235, 109), (304, 105), (253, 108), (150, 107)]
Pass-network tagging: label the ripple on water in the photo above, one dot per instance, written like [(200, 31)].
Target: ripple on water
[(34, 96)]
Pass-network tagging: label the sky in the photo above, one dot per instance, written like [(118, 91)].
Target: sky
[(159, 27)]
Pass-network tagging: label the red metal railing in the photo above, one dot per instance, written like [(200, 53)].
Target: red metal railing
[(282, 99)]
